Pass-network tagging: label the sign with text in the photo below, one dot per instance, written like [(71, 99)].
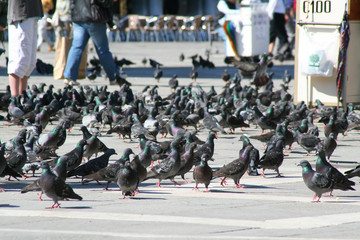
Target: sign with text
[(321, 11)]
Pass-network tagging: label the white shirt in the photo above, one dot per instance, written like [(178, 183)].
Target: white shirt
[(223, 7), (275, 6)]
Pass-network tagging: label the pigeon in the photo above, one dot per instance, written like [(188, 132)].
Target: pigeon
[(10, 145), (273, 158), (74, 157), (329, 144), (137, 128), (187, 161), (18, 157), (181, 57), (3, 162), (59, 170), (158, 73), (154, 63), (173, 83), (109, 173), (195, 63), (169, 166), (211, 123), (203, 173), (93, 146), (263, 121), (93, 165), (225, 76), (235, 169), (144, 61), (207, 147), (254, 155), (127, 179), (31, 166), (307, 141), (355, 172), (139, 168), (44, 68), (122, 62), (261, 77), (54, 187), (317, 182), (53, 139), (14, 110), (324, 167), (286, 78), (194, 74)]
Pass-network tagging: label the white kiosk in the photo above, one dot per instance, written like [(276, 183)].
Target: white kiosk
[(252, 30), (316, 52)]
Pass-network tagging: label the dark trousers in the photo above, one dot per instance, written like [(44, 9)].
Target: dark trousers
[(277, 29)]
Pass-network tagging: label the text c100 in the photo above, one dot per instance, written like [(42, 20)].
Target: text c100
[(316, 6)]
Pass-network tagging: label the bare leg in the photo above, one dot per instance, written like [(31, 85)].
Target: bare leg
[(271, 47), (14, 81), (23, 84)]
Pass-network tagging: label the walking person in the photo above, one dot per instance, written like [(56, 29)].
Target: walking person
[(86, 25), (276, 12), (22, 28)]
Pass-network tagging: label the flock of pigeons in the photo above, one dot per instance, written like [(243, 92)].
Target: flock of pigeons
[(147, 117)]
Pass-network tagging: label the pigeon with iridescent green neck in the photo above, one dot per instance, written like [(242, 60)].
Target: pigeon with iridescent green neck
[(235, 169), (203, 173), (54, 187), (317, 182)]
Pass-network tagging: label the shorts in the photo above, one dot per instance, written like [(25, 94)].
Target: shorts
[(22, 47)]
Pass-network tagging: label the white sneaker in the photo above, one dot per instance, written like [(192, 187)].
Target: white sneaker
[(67, 81), (71, 82), (74, 83)]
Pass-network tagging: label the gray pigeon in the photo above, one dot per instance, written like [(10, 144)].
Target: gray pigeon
[(236, 168), (74, 157), (203, 173), (53, 139), (212, 124), (59, 170), (17, 158), (93, 146), (316, 182), (127, 179), (54, 187), (93, 165), (109, 173), (324, 167), (169, 166), (158, 73), (14, 110), (139, 168)]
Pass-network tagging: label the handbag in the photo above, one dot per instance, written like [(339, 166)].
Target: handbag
[(62, 46), (100, 10)]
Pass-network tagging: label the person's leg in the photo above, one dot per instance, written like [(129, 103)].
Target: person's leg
[(80, 39), (272, 35), (14, 81), (97, 32), (31, 46), (281, 32), (22, 44), (22, 84)]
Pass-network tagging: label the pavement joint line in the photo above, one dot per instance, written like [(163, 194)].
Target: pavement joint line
[(311, 222), (181, 192), (151, 236)]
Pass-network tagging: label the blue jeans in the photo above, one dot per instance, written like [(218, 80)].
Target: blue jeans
[(82, 31)]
